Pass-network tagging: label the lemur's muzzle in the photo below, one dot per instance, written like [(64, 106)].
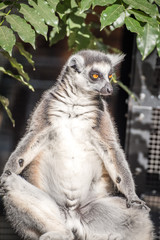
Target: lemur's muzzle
[(107, 90)]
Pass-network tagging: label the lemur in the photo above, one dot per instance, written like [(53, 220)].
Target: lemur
[(59, 182)]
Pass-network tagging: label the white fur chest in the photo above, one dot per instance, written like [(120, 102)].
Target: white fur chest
[(70, 161)]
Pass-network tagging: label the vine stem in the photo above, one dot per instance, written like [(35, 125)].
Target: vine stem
[(11, 7), (125, 88), (5, 16)]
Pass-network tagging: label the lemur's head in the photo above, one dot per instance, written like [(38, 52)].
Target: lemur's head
[(93, 70)]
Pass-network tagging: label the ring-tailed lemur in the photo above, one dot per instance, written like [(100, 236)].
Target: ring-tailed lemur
[(59, 182)]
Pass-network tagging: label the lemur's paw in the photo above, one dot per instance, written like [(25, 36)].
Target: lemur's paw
[(135, 202), (8, 182), (4, 175), (2, 182)]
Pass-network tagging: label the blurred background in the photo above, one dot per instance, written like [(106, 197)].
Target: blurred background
[(138, 122)]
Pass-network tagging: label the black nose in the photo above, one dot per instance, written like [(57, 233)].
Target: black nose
[(106, 90), (109, 90)]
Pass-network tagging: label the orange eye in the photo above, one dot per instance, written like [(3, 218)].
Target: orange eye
[(95, 76), (110, 76)]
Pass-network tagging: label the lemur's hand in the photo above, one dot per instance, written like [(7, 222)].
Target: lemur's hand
[(135, 202), (3, 190)]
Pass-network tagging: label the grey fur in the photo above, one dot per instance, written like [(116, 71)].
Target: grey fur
[(70, 159)]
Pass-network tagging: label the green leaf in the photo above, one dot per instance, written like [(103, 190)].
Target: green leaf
[(147, 42), (83, 38), (98, 44), (2, 14), (71, 40), (158, 42), (46, 12), (31, 15), (73, 4), (133, 25), (76, 20), (79, 38), (158, 48), (5, 103), (110, 14), (102, 2), (53, 4), (3, 5), (158, 2), (26, 54), (119, 22), (16, 65), (57, 36), (7, 39), (63, 9), (24, 30), (17, 77), (141, 16), (85, 5), (143, 5)]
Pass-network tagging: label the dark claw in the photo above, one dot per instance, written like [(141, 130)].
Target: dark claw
[(118, 180), (128, 205), (21, 162), (7, 172)]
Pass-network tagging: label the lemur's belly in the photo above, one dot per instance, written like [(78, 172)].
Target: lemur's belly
[(69, 173), (69, 167)]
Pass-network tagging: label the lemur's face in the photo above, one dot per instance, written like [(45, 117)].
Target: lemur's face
[(93, 71), (98, 78)]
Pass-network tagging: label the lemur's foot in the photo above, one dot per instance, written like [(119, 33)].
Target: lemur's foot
[(135, 202)]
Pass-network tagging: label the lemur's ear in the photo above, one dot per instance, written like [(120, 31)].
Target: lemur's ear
[(116, 58), (76, 62)]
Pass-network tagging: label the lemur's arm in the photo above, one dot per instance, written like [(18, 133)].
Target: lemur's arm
[(27, 149), (32, 142), (108, 147)]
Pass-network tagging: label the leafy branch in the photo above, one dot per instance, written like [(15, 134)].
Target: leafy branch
[(22, 21)]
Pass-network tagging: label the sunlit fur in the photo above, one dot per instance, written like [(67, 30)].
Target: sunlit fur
[(71, 163)]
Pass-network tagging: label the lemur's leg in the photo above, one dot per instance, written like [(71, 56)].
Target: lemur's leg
[(31, 211), (109, 219), (27, 149)]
